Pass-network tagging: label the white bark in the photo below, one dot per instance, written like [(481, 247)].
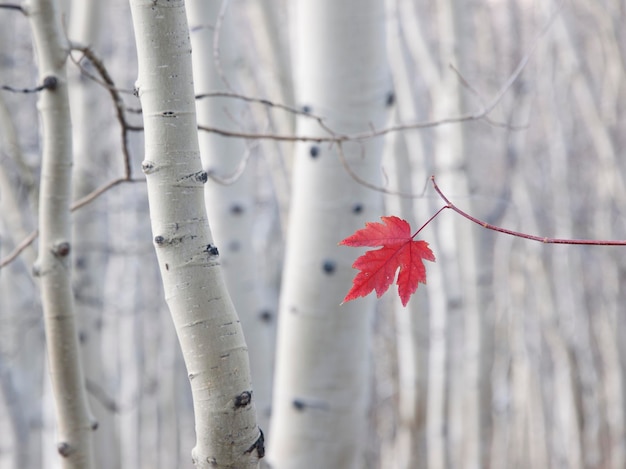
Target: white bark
[(457, 254), (231, 207), (90, 225), (206, 322), (320, 388), (53, 264)]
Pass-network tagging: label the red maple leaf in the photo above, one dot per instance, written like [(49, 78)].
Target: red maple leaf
[(378, 267)]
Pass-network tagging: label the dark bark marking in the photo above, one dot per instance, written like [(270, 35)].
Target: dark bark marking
[(329, 266), (61, 249), (243, 399), (390, 100), (211, 250), (148, 166), (357, 208), (259, 445), (298, 404), (266, 315), (64, 449), (237, 209)]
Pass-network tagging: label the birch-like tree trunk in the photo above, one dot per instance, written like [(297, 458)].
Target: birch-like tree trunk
[(206, 322), (53, 264), (457, 296), (90, 225), (322, 367), (229, 193)]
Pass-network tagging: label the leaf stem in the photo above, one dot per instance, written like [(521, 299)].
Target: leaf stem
[(541, 239), (430, 219)]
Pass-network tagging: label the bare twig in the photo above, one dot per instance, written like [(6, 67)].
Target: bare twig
[(120, 108), (541, 239), (216, 44), (19, 248), (251, 99), (236, 174), (48, 83), (93, 195), (370, 185), (13, 6), (481, 113), (99, 191)]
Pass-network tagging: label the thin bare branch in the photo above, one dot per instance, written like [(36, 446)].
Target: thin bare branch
[(363, 182), (120, 107), (216, 44), (48, 83), (19, 248), (13, 6), (26, 242), (99, 191), (236, 174), (251, 99), (519, 234)]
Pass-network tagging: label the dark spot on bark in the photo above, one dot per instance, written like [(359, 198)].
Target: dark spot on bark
[(82, 337), (357, 208), (167, 266), (167, 113), (329, 266), (201, 176), (237, 209), (314, 151), (259, 445), (211, 250), (307, 109), (61, 249), (50, 83), (159, 240), (64, 449), (243, 399), (298, 404), (147, 166), (266, 315), (390, 100), (94, 425)]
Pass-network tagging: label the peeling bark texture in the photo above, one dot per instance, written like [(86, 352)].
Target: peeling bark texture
[(53, 264), (322, 367), (206, 322)]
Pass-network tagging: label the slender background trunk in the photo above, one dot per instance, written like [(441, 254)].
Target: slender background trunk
[(53, 265)]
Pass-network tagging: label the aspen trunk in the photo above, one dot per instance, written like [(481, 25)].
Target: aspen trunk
[(322, 366), (90, 226), (53, 264), (230, 196), (204, 317)]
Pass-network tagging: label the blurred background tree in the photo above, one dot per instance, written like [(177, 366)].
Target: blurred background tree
[(510, 356)]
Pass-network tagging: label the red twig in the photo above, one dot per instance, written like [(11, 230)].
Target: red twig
[(541, 239), (430, 219)]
